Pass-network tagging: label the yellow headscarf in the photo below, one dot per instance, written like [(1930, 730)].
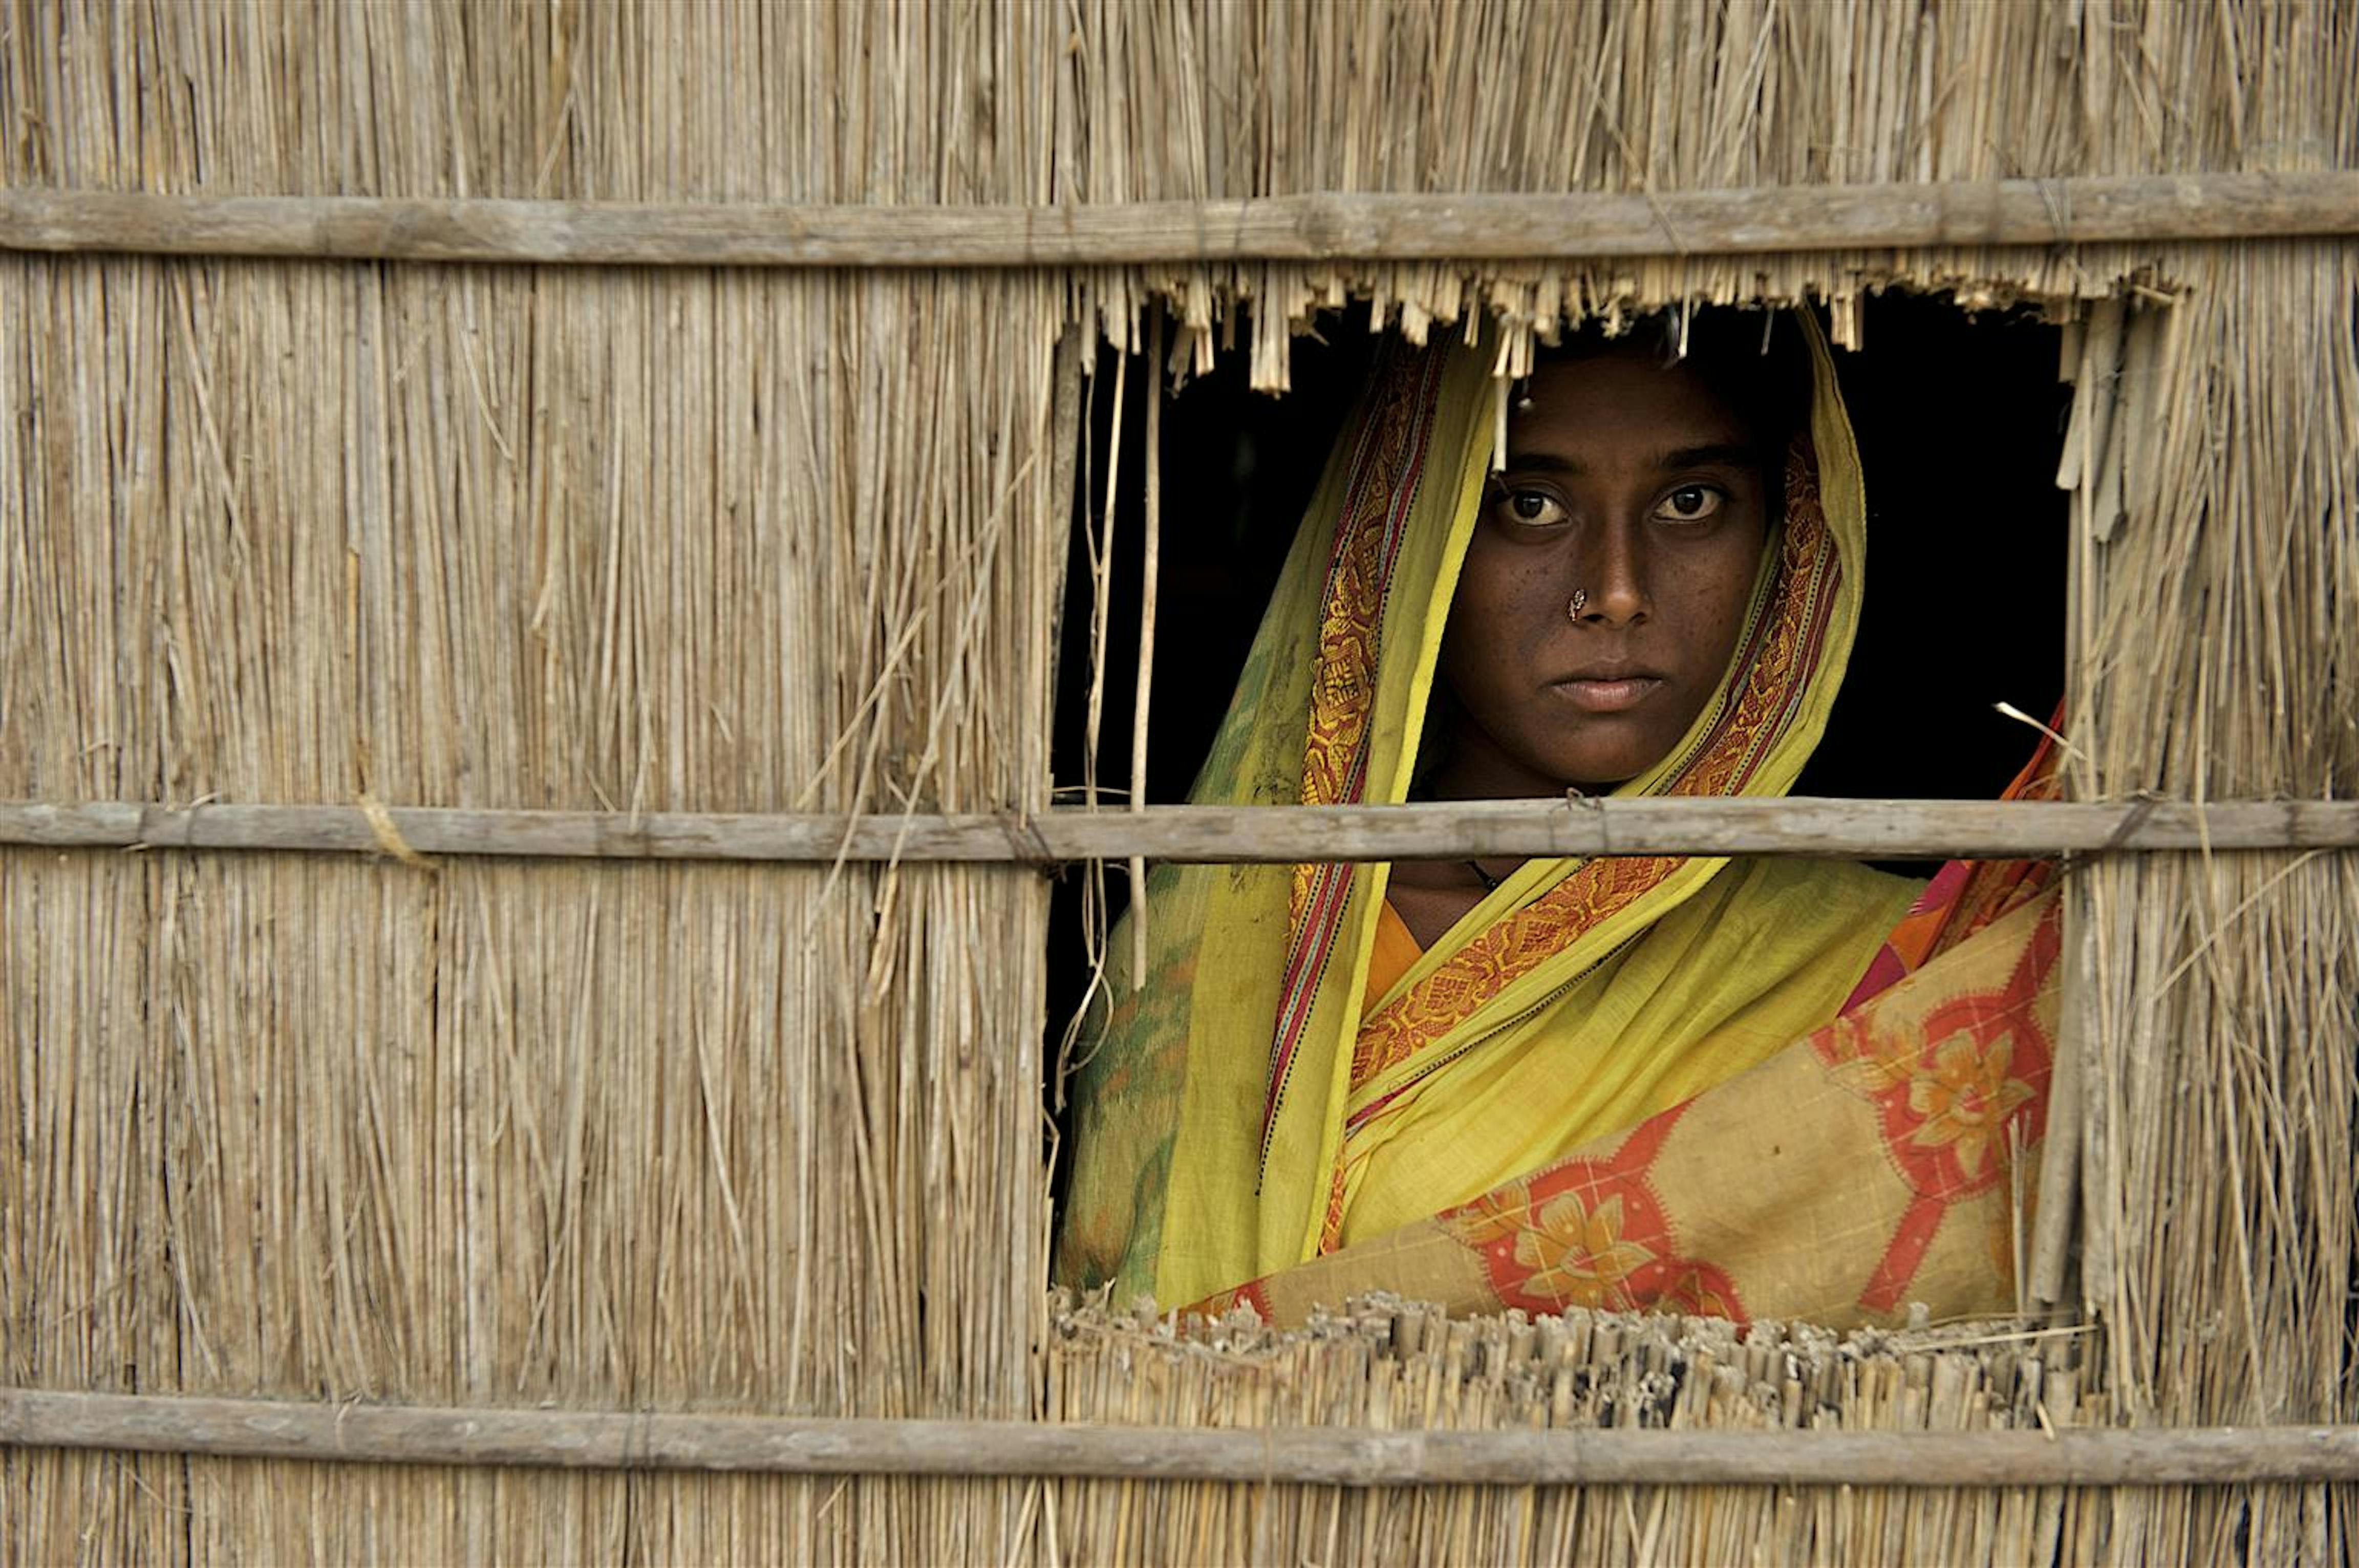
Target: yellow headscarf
[(1238, 1113)]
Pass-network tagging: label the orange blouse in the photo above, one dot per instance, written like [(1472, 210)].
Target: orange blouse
[(1395, 951)]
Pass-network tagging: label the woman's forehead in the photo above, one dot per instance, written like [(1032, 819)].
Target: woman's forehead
[(1625, 404)]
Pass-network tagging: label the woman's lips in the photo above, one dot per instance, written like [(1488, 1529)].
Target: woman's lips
[(1608, 696)]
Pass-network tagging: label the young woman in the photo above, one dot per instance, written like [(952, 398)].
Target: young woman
[(1755, 1087)]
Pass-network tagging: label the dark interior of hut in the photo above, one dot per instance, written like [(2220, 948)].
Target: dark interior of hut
[(1960, 423)]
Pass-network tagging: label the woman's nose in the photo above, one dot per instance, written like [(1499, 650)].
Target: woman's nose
[(1612, 587)]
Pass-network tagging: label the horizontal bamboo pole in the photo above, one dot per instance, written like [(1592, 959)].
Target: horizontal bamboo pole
[(1334, 1456), (1792, 826), (1313, 227)]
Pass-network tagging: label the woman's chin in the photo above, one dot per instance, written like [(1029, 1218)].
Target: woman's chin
[(1604, 759), (1603, 776)]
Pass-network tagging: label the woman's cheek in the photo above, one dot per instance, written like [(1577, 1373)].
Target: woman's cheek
[(1504, 592), (1540, 586)]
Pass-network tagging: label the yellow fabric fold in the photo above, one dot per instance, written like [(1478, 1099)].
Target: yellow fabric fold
[(1763, 954)]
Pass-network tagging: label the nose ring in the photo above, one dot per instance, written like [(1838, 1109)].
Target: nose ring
[(1580, 598)]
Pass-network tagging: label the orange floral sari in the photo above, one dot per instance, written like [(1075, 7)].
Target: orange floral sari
[(1876, 1162)]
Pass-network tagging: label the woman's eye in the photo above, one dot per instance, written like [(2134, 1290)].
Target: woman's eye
[(1532, 509), (1690, 504)]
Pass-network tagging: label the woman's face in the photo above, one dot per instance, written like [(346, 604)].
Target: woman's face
[(1638, 491)]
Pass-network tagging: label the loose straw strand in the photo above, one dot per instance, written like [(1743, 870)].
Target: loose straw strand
[(1102, 586), (1149, 567)]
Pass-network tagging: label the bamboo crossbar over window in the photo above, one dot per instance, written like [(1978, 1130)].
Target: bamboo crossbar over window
[(1792, 826), (1320, 226), (1331, 1456)]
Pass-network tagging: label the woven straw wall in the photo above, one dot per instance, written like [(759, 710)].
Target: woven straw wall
[(759, 1138), (718, 1138)]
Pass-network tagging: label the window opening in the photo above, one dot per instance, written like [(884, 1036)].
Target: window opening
[(1959, 419)]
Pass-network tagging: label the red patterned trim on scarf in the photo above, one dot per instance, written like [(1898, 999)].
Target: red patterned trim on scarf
[(1386, 472)]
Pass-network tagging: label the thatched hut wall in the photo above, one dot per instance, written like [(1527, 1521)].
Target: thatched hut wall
[(734, 1138), (699, 1136)]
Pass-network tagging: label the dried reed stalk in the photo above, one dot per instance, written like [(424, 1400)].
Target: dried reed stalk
[(1385, 1364)]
